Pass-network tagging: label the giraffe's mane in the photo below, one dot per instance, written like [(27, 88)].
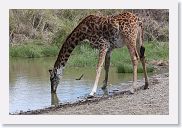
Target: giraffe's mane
[(86, 18)]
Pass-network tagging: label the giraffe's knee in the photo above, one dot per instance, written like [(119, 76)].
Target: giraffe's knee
[(135, 60), (136, 54)]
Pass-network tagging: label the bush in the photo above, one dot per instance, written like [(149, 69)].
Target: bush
[(53, 26)]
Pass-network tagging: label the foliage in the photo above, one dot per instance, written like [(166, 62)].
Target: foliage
[(33, 50), (156, 23), (53, 26), (84, 55)]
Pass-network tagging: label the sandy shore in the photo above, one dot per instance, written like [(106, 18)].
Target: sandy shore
[(153, 101)]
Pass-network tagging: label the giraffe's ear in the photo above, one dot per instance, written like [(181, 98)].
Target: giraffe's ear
[(50, 71)]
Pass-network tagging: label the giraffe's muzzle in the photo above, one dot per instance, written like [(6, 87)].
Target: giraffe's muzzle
[(54, 84)]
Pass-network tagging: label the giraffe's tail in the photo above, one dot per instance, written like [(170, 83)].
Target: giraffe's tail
[(142, 52)]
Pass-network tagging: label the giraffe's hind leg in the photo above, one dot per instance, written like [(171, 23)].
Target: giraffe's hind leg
[(135, 67), (142, 58), (102, 55), (134, 58), (106, 67)]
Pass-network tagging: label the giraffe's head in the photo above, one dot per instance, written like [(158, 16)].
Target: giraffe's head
[(54, 79)]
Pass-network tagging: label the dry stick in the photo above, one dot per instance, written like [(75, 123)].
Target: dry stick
[(154, 38), (41, 18), (80, 77)]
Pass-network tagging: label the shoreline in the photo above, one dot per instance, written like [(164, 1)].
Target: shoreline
[(158, 82)]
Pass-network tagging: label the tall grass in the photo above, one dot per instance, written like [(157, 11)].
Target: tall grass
[(34, 50), (84, 55)]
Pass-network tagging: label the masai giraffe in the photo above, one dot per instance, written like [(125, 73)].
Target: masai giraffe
[(105, 34)]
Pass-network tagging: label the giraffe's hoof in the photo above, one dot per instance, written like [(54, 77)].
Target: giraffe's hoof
[(90, 96), (146, 86), (104, 87), (132, 91)]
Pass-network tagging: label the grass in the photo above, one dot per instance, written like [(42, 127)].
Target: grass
[(84, 55), (34, 50)]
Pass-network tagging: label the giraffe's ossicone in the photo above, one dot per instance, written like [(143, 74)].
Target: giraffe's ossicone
[(105, 34)]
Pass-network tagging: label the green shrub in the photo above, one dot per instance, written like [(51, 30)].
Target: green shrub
[(84, 55), (33, 51)]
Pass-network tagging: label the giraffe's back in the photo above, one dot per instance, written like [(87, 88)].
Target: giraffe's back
[(114, 29)]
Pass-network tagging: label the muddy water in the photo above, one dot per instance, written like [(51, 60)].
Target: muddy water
[(29, 86)]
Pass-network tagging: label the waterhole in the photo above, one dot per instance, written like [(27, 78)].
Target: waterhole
[(29, 85)]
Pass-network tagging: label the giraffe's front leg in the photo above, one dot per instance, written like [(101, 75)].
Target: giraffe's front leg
[(102, 55), (106, 67)]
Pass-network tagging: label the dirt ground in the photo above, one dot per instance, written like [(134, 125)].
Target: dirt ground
[(153, 101)]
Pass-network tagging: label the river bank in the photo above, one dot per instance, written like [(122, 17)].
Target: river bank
[(153, 101)]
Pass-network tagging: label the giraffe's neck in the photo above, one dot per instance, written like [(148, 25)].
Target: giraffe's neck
[(68, 46)]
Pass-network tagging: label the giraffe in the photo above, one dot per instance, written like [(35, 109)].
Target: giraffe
[(104, 34)]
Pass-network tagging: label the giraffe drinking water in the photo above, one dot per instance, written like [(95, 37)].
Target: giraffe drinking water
[(104, 34)]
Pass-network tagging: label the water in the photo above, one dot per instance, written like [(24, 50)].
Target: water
[(29, 85)]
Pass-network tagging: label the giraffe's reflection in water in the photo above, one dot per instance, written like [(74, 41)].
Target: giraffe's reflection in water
[(54, 99)]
